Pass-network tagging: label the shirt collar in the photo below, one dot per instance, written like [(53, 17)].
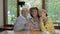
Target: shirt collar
[(23, 17)]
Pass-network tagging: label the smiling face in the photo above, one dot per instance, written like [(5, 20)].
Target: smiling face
[(42, 13), (25, 12), (34, 12)]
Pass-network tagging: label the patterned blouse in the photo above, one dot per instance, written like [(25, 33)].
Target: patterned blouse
[(35, 23)]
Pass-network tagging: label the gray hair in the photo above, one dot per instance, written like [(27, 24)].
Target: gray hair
[(23, 9)]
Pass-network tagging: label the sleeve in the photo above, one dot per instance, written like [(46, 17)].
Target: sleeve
[(19, 25), (42, 27), (51, 26)]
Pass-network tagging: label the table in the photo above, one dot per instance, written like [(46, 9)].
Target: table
[(26, 32), (6, 28)]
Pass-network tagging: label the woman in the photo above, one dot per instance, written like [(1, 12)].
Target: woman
[(34, 20), (45, 22)]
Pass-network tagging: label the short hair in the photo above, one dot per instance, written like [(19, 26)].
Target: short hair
[(32, 8), (43, 10), (23, 9)]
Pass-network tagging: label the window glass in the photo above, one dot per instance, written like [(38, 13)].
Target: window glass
[(53, 9), (12, 11)]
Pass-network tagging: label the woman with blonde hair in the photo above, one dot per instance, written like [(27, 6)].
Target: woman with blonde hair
[(46, 23)]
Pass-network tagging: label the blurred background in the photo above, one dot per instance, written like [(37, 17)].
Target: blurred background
[(11, 9)]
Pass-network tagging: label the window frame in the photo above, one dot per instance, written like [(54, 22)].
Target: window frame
[(5, 13)]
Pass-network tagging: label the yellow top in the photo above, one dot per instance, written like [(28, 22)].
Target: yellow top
[(48, 26)]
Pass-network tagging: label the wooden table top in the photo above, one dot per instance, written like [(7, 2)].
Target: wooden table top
[(26, 32)]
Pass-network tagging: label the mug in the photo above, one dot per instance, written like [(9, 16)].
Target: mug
[(46, 32), (56, 32), (9, 32)]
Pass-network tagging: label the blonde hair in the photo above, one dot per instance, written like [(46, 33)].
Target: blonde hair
[(43, 10)]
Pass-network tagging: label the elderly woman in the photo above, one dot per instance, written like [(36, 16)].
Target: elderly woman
[(46, 23), (34, 20)]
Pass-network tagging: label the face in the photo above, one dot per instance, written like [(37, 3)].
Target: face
[(34, 13), (25, 12), (42, 14)]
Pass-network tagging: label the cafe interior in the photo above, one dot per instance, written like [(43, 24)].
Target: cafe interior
[(10, 10)]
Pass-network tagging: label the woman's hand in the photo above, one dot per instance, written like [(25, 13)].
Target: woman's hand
[(41, 19), (27, 25)]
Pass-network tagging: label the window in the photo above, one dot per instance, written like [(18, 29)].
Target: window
[(53, 9), (33, 3), (12, 9)]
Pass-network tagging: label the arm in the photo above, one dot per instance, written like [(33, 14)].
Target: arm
[(50, 25), (19, 25), (42, 26)]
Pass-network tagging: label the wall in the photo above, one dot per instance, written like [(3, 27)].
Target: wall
[(1, 12)]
